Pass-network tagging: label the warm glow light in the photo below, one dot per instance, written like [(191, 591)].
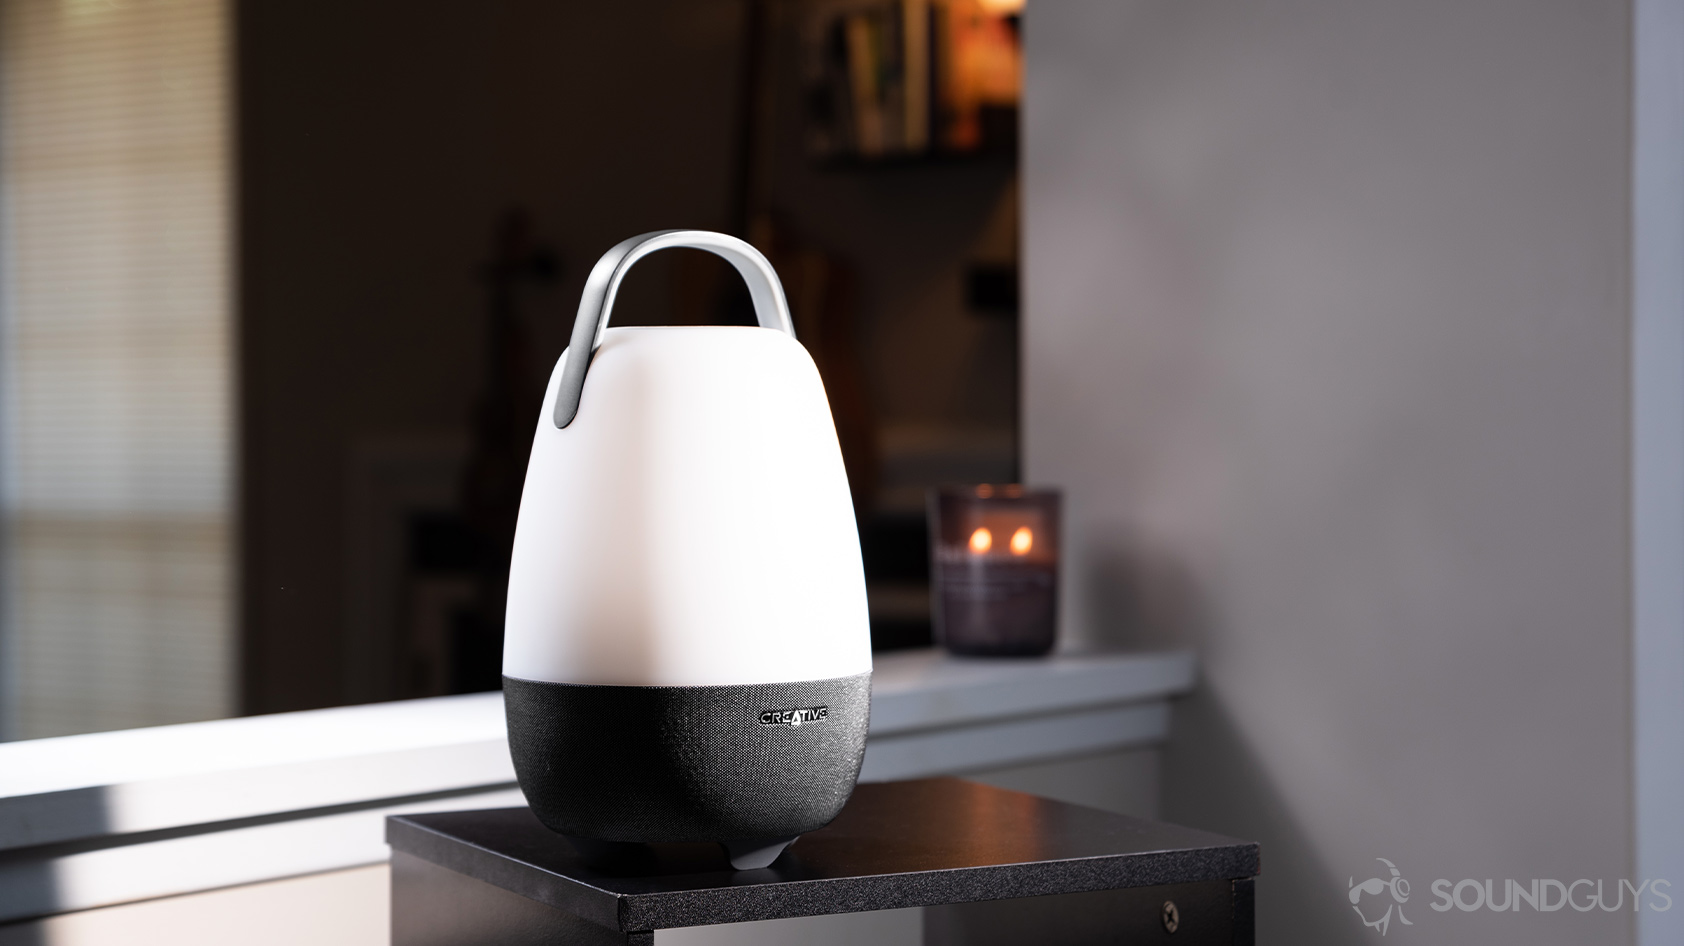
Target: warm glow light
[(1003, 7), (981, 541), (1022, 541)]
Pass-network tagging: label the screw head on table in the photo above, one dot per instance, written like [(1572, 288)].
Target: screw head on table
[(1171, 917)]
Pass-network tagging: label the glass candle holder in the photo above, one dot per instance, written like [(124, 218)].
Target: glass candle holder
[(994, 569)]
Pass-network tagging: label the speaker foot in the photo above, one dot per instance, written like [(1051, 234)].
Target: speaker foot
[(753, 853)]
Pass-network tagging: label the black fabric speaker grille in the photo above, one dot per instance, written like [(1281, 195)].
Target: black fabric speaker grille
[(665, 764)]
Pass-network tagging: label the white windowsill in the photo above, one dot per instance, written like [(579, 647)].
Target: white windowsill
[(111, 817)]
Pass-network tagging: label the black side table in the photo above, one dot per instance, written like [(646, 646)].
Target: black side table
[(992, 866)]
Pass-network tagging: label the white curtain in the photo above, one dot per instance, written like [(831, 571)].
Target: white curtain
[(115, 365)]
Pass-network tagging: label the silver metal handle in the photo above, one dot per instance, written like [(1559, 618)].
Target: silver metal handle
[(770, 308)]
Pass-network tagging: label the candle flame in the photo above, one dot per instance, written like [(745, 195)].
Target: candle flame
[(1022, 541), (981, 541)]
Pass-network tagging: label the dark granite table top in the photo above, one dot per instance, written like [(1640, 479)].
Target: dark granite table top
[(896, 844)]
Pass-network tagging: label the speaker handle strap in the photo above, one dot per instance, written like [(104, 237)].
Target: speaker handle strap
[(770, 308)]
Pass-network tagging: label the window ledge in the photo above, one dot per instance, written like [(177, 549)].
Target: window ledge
[(111, 817)]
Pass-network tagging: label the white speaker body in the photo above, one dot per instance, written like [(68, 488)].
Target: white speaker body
[(687, 653), (692, 526)]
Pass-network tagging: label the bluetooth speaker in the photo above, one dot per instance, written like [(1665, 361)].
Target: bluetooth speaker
[(686, 652)]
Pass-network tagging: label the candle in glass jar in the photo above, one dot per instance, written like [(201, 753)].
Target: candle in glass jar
[(994, 574)]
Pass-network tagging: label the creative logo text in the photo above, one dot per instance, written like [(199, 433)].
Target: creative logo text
[(795, 717)]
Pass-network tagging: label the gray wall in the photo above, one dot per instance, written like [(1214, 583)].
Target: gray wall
[(1657, 501), (1326, 337)]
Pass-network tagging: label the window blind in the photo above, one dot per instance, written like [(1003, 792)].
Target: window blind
[(115, 377)]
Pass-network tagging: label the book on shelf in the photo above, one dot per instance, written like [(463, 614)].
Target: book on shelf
[(911, 77)]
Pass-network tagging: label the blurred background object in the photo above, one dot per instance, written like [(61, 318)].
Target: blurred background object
[(913, 79), (994, 558), (282, 290), (115, 366)]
